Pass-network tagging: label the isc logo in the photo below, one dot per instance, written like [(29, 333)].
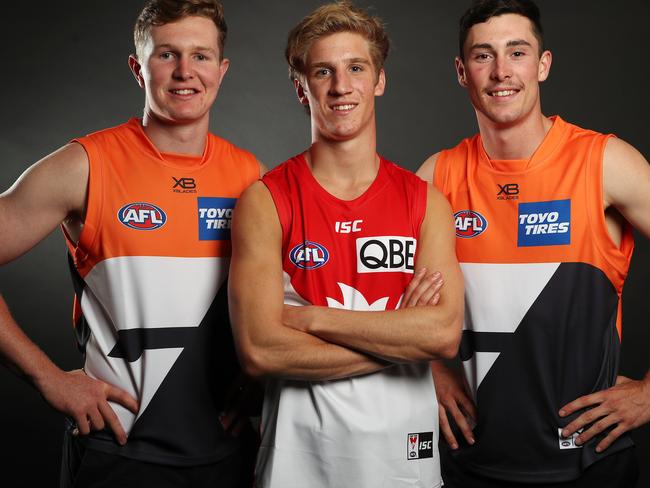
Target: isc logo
[(348, 227), (309, 255), (142, 216), (384, 254), (419, 445), (469, 224)]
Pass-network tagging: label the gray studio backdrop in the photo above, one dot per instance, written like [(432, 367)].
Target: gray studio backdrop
[(64, 74)]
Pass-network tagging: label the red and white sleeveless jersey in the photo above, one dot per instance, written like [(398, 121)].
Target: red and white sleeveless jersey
[(543, 282), (378, 429), (149, 273)]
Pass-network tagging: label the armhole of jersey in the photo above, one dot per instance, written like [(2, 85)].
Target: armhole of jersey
[(420, 206), (94, 203), (617, 256), (441, 173), (282, 206)]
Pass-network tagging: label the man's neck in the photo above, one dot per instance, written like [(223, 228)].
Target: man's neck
[(186, 139), (516, 141), (344, 168)]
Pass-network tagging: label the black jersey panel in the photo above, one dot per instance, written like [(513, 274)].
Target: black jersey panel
[(566, 346), (181, 423)]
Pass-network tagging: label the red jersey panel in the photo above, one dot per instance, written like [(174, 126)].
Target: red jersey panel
[(373, 430)]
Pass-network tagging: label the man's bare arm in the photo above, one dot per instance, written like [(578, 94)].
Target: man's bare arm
[(625, 406), (428, 167), (413, 334), (50, 192), (266, 347)]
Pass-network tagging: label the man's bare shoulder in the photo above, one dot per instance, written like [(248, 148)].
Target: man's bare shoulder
[(428, 167)]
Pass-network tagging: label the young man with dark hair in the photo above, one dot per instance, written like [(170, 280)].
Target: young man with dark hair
[(543, 212), (145, 208), (336, 234)]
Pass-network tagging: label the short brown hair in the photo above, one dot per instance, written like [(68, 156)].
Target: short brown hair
[(330, 19), (483, 10), (160, 12)]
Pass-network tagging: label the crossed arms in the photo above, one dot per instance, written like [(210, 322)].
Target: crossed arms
[(318, 343)]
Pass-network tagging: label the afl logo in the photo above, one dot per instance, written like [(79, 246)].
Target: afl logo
[(309, 255), (469, 223), (142, 216)]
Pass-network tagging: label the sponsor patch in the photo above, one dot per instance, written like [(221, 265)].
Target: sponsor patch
[(544, 223), (309, 255), (215, 218), (386, 254), (569, 442), (419, 445), (142, 216), (469, 224)]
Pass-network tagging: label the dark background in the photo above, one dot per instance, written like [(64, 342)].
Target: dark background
[(64, 74)]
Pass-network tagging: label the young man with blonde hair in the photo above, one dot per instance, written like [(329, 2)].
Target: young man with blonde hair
[(145, 208), (324, 248), (543, 211)]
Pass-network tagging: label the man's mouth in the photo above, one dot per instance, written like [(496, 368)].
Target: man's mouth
[(502, 93), (343, 107), (184, 91)]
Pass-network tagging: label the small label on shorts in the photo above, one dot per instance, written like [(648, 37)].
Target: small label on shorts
[(569, 442), (419, 445)]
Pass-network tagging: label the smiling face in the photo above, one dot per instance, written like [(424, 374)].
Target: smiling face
[(503, 68), (180, 69), (340, 83)]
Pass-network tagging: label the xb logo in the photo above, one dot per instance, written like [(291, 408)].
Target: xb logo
[(184, 185), (509, 191)]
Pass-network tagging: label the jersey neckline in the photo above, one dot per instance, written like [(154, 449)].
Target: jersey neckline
[(172, 160), (377, 184)]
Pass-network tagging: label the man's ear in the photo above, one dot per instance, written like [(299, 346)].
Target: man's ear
[(380, 87), (136, 69), (300, 92), (545, 61), (460, 72)]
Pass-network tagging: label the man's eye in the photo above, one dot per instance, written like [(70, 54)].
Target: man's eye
[(356, 69), (166, 55)]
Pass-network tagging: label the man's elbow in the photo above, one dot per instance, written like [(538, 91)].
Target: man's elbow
[(256, 363), (447, 340)]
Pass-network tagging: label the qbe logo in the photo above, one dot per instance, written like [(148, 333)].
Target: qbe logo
[(419, 445), (142, 216), (215, 218), (544, 223), (386, 254), (309, 255), (469, 224)]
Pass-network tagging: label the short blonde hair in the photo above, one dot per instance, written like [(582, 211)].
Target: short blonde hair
[(329, 19)]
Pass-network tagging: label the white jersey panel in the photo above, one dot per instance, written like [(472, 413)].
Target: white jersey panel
[(498, 296), (136, 294), (351, 432)]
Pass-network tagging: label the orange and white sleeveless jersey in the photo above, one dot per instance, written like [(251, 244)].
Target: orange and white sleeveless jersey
[(150, 306), (374, 430), (543, 284)]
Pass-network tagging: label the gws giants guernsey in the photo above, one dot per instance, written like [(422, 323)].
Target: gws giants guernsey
[(377, 430), (149, 273), (543, 282)]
